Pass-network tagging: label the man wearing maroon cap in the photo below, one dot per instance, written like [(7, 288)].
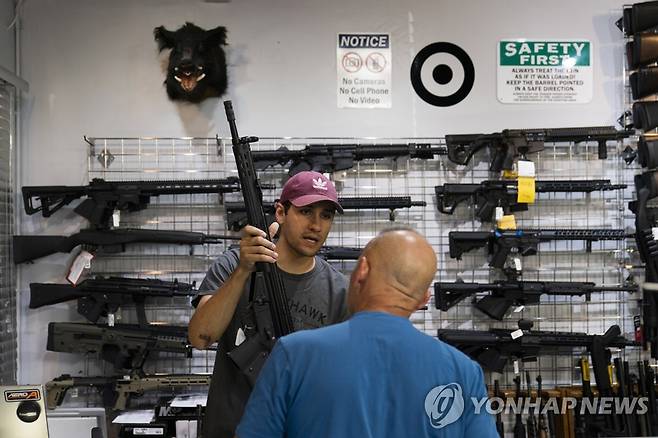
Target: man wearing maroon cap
[(315, 289)]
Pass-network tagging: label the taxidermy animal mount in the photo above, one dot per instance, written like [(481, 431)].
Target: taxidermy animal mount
[(197, 64)]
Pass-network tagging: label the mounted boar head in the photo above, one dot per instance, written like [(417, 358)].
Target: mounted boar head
[(197, 65)]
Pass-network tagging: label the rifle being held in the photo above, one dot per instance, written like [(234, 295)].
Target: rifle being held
[(27, 248), (500, 243), (507, 293), (103, 198), (487, 195), (103, 296), (510, 144), (269, 302), (325, 158), (117, 391)]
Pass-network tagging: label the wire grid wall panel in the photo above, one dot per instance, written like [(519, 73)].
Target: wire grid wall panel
[(8, 334), (609, 263)]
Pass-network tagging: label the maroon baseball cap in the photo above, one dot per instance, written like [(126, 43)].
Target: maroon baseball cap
[(307, 187)]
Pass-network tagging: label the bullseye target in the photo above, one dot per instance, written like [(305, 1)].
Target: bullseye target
[(442, 74)]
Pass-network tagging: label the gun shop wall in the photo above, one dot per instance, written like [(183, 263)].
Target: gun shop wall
[(94, 70)]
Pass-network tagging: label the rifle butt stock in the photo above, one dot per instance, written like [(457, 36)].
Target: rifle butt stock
[(28, 248), (43, 294)]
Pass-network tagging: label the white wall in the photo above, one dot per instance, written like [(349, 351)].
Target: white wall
[(94, 69), (7, 40)]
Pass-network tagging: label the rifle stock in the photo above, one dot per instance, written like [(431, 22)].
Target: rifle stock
[(639, 17), (645, 114)]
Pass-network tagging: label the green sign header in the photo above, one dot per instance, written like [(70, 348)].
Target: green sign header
[(545, 53)]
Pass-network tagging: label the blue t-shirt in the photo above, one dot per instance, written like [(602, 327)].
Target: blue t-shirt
[(374, 375)]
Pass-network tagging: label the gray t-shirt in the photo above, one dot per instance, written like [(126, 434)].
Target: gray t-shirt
[(316, 298)]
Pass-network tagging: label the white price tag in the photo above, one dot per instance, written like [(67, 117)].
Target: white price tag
[(81, 262), (516, 367), (116, 218), (498, 213), (654, 231), (516, 262), (240, 337), (526, 168), (110, 319), (516, 334), (518, 309)]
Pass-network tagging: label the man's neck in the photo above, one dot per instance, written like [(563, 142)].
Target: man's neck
[(291, 261)]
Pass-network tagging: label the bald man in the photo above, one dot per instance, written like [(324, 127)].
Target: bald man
[(374, 375)]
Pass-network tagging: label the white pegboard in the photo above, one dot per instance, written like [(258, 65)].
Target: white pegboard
[(190, 158)]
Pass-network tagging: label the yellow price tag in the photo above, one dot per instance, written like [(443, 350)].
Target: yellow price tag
[(507, 222), (526, 194), (509, 174)]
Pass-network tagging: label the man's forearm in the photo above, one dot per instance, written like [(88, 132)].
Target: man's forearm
[(212, 317)]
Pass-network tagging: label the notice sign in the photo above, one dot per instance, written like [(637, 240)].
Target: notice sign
[(364, 70), (550, 71)]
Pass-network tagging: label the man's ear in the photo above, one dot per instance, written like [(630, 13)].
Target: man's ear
[(426, 299), (279, 212), (362, 269)]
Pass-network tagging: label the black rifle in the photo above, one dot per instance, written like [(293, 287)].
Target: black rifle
[(507, 293), (650, 391), (645, 219), (487, 195), (531, 421), (600, 353), (582, 420), (492, 348), (102, 296), (646, 153), (542, 425), (645, 114), (104, 197), (500, 242), (642, 50), (329, 252), (644, 82), (28, 248), (509, 144), (268, 301), (500, 427), (236, 217), (334, 157), (117, 391), (519, 428), (639, 17), (124, 346), (623, 390)]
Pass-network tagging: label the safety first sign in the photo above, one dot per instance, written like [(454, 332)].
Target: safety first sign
[(547, 71), (364, 70)]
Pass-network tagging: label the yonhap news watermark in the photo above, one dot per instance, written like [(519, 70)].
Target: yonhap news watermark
[(562, 405), (446, 404)]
